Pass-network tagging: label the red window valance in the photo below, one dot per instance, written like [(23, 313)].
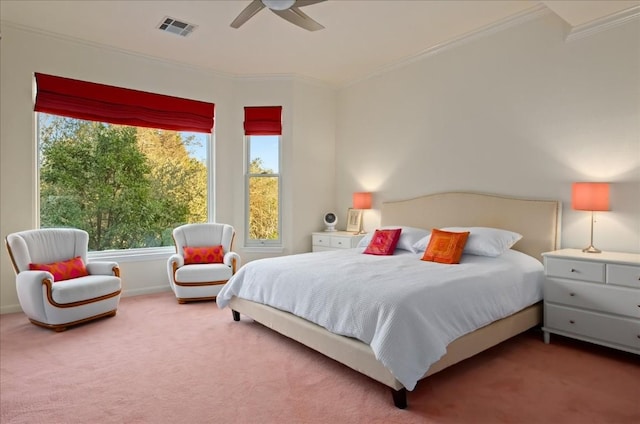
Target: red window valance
[(115, 105), (263, 120)]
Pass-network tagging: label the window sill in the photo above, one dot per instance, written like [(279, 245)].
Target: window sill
[(260, 249), (161, 253), (133, 255)]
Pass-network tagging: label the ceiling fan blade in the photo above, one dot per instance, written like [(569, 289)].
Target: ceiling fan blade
[(301, 3), (254, 7), (299, 18)]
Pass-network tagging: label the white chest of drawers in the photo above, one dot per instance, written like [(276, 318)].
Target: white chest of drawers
[(333, 240), (593, 297)]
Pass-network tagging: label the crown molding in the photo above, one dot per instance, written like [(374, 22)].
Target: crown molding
[(514, 20), (96, 45), (604, 23), (165, 61)]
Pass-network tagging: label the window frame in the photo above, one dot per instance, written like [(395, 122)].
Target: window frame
[(262, 244), (139, 253)]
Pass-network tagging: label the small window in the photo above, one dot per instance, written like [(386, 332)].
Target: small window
[(263, 190)]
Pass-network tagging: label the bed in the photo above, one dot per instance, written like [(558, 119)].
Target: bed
[(538, 221)]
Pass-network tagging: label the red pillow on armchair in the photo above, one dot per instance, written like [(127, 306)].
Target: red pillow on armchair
[(203, 255), (63, 270)]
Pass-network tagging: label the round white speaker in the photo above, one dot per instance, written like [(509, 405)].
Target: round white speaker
[(330, 220)]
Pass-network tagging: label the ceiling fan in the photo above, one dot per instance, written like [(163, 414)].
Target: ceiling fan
[(286, 9)]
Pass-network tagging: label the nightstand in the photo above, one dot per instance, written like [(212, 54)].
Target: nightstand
[(593, 297), (334, 240)]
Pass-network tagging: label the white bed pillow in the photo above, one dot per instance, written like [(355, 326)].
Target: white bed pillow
[(482, 241), (408, 237)]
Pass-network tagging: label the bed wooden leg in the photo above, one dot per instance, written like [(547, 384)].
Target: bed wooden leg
[(399, 398), (236, 315)]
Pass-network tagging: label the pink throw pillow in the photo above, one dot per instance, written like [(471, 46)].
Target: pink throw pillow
[(383, 242)]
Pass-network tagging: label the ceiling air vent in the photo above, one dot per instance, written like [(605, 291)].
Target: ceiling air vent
[(175, 26)]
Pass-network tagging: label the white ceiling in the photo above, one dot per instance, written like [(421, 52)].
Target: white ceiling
[(360, 37)]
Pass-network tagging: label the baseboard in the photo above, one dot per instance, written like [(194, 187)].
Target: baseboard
[(10, 309), (146, 290)]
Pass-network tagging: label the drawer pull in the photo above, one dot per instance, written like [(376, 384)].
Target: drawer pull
[(571, 321), (572, 294), (574, 270)]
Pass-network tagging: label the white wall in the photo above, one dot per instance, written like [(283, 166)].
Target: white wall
[(518, 112), (312, 161), (25, 52)]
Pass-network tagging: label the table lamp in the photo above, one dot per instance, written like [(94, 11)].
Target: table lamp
[(361, 201), (592, 197)]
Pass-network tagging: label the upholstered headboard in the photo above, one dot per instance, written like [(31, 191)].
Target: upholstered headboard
[(537, 220)]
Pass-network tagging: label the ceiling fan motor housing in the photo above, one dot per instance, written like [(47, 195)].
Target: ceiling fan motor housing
[(278, 4), (288, 10)]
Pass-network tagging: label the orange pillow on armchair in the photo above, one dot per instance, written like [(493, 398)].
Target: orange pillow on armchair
[(203, 255), (63, 270)]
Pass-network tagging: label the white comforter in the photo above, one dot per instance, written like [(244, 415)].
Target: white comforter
[(406, 309)]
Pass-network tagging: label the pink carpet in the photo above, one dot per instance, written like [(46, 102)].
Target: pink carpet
[(160, 362)]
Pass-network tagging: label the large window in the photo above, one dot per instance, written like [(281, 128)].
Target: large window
[(263, 130), (125, 165), (263, 189), (128, 187)]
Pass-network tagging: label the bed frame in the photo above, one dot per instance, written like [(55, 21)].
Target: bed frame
[(537, 220)]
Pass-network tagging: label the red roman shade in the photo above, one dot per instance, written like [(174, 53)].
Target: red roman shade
[(263, 120), (115, 105)]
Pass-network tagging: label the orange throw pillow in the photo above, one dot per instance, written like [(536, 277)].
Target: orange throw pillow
[(445, 247), (65, 270), (203, 255), (383, 242)]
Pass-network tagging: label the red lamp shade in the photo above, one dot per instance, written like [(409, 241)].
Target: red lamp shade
[(362, 200), (590, 196)]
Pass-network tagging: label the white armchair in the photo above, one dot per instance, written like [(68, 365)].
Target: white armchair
[(199, 278), (59, 304)]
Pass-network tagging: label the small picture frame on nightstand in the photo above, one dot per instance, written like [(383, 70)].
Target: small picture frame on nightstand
[(354, 220)]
